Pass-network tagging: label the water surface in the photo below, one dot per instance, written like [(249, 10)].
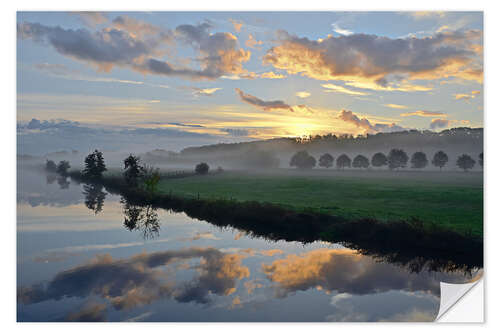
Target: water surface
[(86, 255)]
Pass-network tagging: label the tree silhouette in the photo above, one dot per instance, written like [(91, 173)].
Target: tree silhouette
[(397, 159), (202, 168), (343, 161), (360, 161), (419, 160), (326, 161), (379, 159), (303, 160), (481, 160), (63, 167), (50, 166), (141, 218), (94, 197), (94, 165), (132, 170), (440, 159), (465, 162)]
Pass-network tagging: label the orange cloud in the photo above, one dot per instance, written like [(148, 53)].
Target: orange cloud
[(440, 123), (350, 117), (423, 113), (272, 75), (252, 42), (396, 106), (378, 59), (468, 97), (236, 24), (346, 271)]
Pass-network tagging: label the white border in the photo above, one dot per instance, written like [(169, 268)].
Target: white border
[(8, 168)]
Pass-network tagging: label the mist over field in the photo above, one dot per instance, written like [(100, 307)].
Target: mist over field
[(170, 152)]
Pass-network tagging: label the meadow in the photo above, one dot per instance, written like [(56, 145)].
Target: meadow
[(452, 200)]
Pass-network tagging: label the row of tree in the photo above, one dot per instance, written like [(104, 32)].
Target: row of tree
[(397, 158)]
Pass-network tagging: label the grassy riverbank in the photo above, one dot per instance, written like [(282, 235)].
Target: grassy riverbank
[(453, 201)]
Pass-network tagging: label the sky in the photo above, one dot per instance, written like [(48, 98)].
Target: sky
[(185, 78)]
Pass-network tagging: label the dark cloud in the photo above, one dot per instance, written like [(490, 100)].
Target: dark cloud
[(137, 45), (264, 105), (350, 117), (218, 54), (375, 58), (105, 48), (142, 279)]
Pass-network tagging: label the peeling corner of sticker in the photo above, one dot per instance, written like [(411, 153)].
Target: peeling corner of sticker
[(452, 293)]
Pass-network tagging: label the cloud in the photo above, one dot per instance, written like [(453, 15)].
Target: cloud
[(440, 123), (264, 105), (236, 303), (61, 71), (219, 51), (91, 19), (138, 28), (350, 117), (414, 315), (347, 272), (105, 48), (374, 59), (90, 312), (397, 84), (39, 136), (205, 91), (142, 279), (136, 45), (426, 14), (252, 42), (272, 75), (330, 87), (340, 31), (271, 253), (396, 106), (236, 24), (202, 235), (302, 94), (36, 124), (186, 125), (423, 113), (252, 285), (467, 97)]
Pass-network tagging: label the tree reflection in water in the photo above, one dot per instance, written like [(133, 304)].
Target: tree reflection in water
[(142, 218), (63, 182), (50, 178), (94, 197)]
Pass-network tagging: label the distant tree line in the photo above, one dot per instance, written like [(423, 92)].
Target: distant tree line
[(396, 159), (61, 168)]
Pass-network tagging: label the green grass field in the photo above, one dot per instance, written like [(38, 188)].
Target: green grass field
[(451, 200)]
